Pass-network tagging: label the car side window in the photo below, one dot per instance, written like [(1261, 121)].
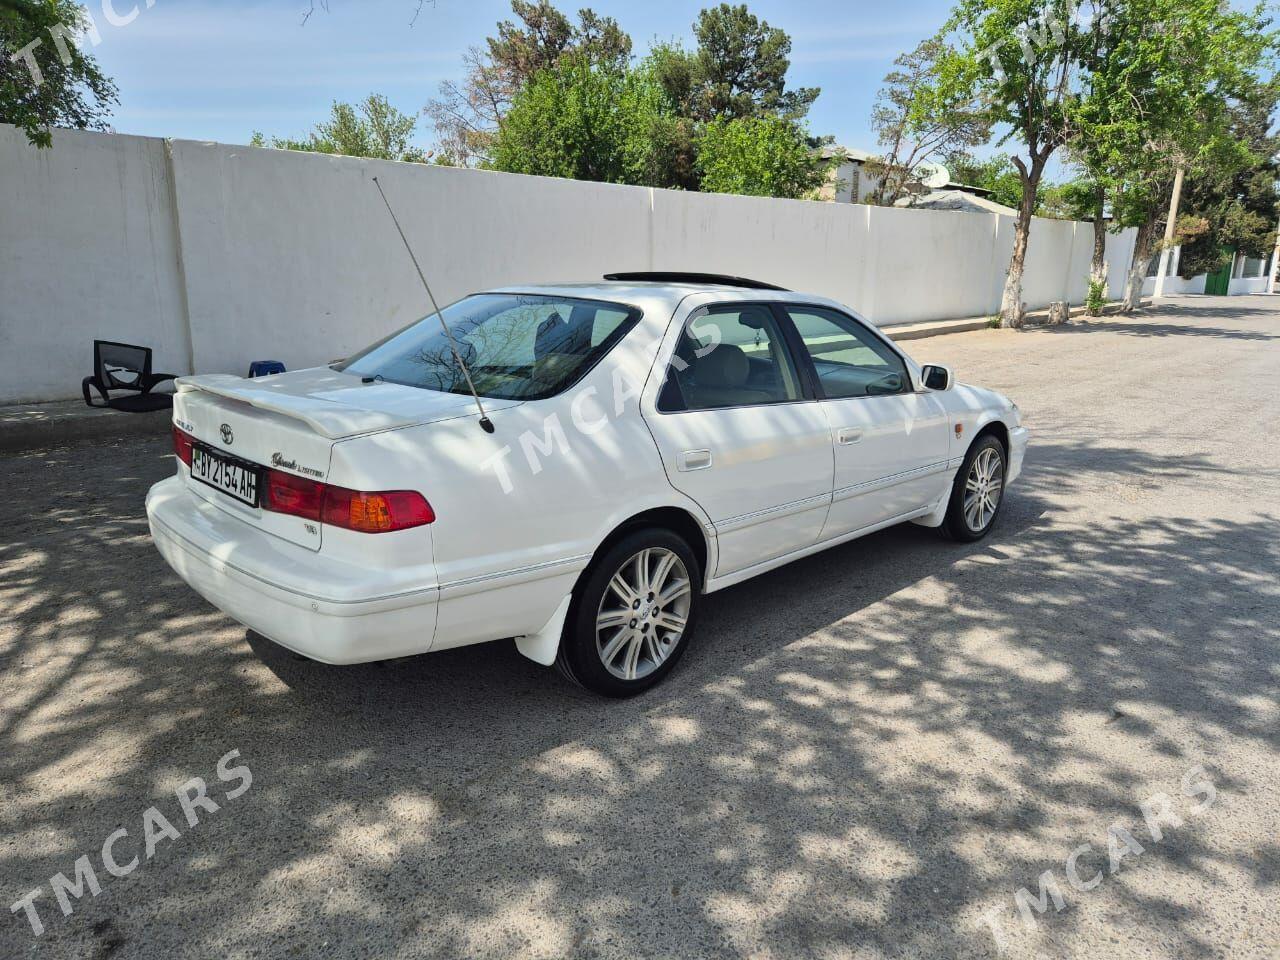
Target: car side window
[(850, 361), (606, 321), (732, 355)]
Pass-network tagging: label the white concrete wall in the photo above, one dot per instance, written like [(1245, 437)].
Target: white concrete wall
[(218, 255), (1175, 285), (1243, 285), (87, 250), (293, 256)]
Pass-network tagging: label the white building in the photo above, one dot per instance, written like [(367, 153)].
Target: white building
[(851, 181)]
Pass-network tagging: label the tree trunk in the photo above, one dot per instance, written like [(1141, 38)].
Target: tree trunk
[(1098, 265), (1011, 308), (1099, 234), (1138, 269)]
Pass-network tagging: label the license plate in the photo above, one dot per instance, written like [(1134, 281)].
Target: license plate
[(233, 477)]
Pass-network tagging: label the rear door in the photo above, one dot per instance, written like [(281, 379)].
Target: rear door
[(891, 443), (741, 434)]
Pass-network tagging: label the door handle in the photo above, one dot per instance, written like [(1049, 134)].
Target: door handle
[(693, 460), (849, 435)]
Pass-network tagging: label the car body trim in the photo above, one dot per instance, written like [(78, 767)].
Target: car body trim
[(204, 555), (746, 573), (456, 588), (528, 574), (772, 513), (868, 486)]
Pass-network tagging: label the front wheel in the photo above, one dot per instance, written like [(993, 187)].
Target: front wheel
[(978, 491), (633, 615)]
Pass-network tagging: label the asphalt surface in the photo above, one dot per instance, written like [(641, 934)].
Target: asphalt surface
[(862, 754)]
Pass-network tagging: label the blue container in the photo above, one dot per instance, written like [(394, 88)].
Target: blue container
[(264, 368)]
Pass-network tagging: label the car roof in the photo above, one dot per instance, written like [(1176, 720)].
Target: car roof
[(642, 293)]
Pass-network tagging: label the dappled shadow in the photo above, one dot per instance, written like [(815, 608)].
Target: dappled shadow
[(861, 752), (1141, 328)]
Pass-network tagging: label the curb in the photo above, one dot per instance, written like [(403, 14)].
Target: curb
[(34, 426), (938, 328)]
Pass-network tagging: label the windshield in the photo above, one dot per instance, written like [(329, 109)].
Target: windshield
[(516, 346)]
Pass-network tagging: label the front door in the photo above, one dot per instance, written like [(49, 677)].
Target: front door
[(740, 435), (891, 443)]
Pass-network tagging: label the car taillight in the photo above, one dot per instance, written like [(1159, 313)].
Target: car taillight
[(381, 512), (182, 445), (297, 496), (376, 512)]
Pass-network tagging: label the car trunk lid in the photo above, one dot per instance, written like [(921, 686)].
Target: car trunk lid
[(290, 422)]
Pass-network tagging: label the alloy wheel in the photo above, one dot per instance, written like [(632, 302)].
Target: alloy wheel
[(983, 488), (643, 613)]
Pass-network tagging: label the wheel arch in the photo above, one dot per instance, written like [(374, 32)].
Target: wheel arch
[(994, 427), (676, 519), (543, 646)]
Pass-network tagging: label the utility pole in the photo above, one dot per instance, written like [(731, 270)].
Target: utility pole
[(1275, 262), (1169, 229)]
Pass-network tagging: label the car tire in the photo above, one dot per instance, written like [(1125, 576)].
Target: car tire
[(619, 640), (971, 512)]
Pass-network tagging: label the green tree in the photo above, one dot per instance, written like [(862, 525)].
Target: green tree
[(675, 70), (587, 120), (468, 116), (996, 174), (373, 128), (1021, 58), (45, 79), (742, 65), (1234, 210), (737, 70), (758, 156), (1164, 85), (912, 125)]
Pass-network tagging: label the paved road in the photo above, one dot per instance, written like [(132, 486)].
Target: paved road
[(864, 753)]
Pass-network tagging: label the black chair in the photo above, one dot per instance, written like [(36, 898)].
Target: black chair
[(123, 366)]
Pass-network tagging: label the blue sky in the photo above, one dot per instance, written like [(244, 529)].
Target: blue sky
[(208, 70)]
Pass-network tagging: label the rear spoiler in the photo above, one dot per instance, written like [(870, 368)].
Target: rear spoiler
[(328, 418)]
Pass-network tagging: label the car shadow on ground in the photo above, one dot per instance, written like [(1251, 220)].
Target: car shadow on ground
[(860, 751)]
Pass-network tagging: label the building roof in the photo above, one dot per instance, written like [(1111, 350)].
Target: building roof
[(852, 153), (955, 199)]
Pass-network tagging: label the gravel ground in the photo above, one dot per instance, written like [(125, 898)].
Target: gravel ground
[(863, 754)]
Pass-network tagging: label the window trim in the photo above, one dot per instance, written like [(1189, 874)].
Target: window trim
[(804, 372), (785, 307)]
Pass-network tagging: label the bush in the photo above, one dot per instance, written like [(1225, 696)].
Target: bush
[(758, 156), (1096, 300), (588, 121)]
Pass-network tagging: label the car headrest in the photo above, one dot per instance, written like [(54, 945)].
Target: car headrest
[(557, 335), (551, 335), (724, 366)]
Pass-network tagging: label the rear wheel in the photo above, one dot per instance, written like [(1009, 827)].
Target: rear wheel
[(633, 614), (978, 491)]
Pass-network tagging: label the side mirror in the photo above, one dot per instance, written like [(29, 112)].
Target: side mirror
[(937, 377)]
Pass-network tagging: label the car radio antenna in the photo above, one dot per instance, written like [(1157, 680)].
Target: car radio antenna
[(485, 423)]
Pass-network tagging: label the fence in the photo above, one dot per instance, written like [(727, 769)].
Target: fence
[(218, 255)]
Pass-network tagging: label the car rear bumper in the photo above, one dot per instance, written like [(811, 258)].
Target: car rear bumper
[(1018, 438), (317, 606)]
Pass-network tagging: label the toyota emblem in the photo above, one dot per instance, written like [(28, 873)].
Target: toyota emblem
[(227, 436)]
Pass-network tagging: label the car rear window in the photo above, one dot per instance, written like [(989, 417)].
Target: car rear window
[(516, 346)]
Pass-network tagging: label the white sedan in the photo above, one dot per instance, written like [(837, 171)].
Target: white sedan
[(644, 442)]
